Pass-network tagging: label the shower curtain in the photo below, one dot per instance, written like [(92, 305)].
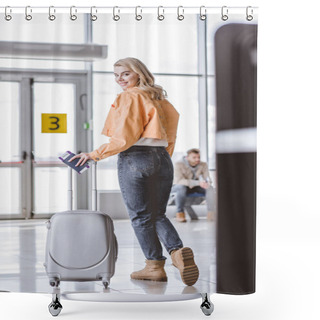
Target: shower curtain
[(57, 87)]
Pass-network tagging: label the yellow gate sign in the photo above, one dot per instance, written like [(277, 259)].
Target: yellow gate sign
[(54, 122)]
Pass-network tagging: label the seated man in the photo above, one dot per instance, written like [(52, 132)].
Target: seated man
[(192, 176)]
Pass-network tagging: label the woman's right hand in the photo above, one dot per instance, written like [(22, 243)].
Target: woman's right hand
[(84, 157)]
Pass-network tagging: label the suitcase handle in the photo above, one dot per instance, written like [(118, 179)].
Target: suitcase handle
[(94, 186)]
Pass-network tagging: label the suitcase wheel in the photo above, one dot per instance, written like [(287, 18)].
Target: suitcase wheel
[(106, 284), (207, 305), (55, 307)]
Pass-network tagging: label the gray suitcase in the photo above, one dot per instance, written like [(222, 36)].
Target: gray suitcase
[(81, 246)]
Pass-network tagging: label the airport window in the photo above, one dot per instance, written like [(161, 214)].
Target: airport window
[(174, 62)]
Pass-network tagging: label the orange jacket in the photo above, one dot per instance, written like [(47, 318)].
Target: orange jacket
[(135, 115)]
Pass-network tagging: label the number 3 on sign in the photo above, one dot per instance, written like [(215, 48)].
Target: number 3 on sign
[(54, 122)]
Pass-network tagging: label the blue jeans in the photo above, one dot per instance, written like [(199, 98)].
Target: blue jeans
[(145, 177), (183, 191)]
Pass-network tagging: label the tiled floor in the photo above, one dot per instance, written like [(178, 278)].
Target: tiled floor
[(22, 255)]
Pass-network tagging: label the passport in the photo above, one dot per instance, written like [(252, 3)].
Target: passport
[(67, 156)]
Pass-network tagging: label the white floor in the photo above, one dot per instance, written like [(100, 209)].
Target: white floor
[(22, 255)]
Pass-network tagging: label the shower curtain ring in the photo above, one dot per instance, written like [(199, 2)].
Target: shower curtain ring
[(180, 13), (73, 16), (94, 17), (224, 13), (8, 17), (160, 16), (203, 13), (138, 16), (51, 15), (28, 10), (116, 17), (249, 13)]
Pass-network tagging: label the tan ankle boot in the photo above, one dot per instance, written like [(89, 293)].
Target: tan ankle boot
[(183, 260), (181, 217), (154, 270)]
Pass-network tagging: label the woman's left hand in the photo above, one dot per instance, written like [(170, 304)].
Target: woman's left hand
[(84, 157)]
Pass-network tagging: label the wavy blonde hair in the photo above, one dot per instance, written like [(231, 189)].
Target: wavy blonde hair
[(146, 78)]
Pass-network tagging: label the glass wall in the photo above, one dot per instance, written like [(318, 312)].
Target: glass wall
[(168, 46), (10, 176), (9, 120)]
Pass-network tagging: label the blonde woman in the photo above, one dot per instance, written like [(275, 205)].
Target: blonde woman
[(142, 127)]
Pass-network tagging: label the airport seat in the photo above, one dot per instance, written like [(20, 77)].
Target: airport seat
[(192, 199)]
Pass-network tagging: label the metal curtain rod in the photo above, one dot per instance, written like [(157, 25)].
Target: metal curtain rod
[(123, 9), (130, 7), (138, 11)]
